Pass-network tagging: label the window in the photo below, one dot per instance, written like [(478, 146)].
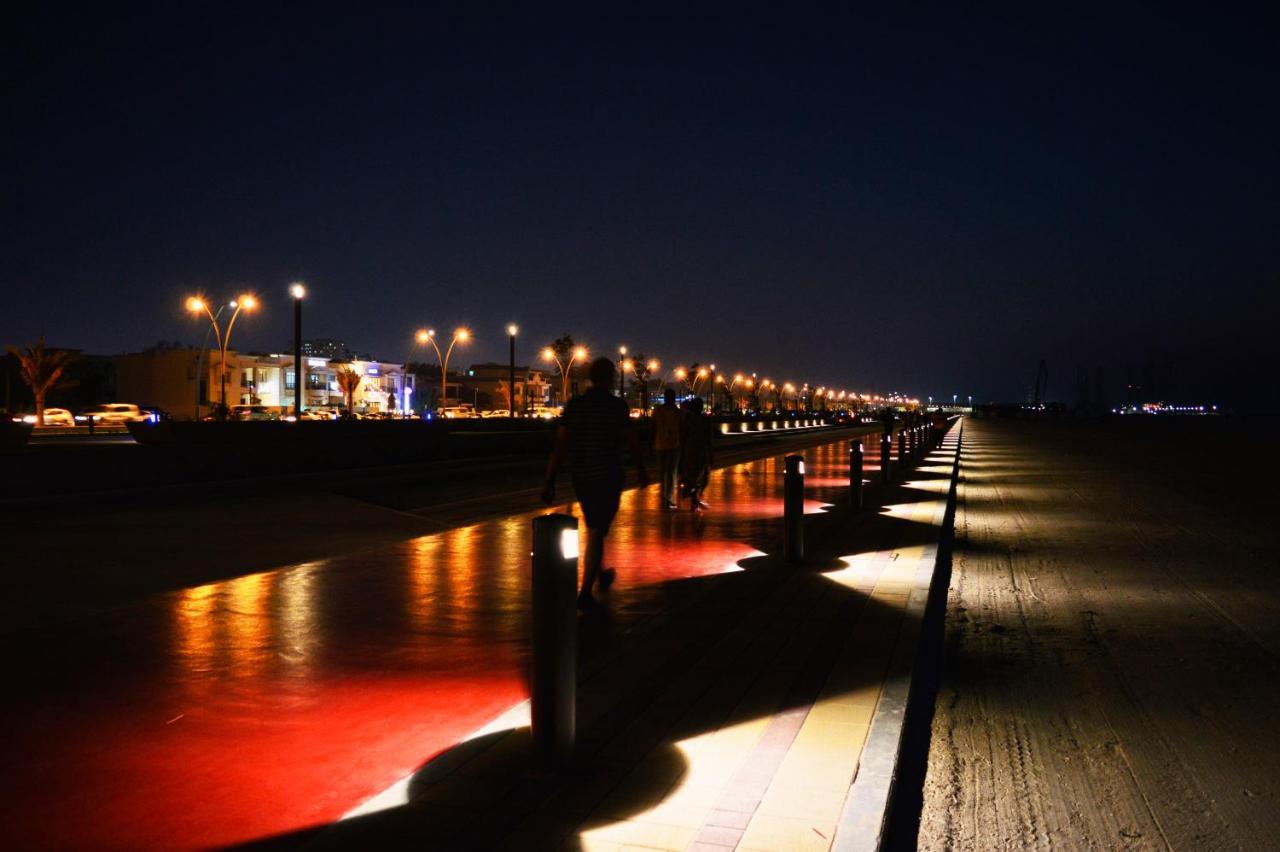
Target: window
[(289, 383)]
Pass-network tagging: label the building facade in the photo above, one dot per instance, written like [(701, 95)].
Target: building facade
[(186, 382)]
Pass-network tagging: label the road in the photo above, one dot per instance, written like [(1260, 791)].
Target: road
[(1113, 630), (268, 703)]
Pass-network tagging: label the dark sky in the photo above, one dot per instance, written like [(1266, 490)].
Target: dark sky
[(922, 200)]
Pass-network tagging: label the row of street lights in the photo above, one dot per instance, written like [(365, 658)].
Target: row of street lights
[(564, 358)]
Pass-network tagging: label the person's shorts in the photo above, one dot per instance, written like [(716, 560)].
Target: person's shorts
[(599, 501)]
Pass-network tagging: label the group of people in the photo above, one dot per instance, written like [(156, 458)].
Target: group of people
[(593, 431), (682, 441)]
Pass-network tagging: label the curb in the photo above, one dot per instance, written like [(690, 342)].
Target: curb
[(865, 818)]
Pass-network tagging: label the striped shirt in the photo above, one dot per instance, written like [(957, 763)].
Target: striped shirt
[(597, 422)]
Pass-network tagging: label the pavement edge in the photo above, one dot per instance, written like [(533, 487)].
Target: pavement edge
[(864, 821)]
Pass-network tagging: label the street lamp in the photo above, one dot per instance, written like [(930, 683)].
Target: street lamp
[(512, 329), (428, 335), (578, 353), (623, 366), (197, 304), (298, 292)]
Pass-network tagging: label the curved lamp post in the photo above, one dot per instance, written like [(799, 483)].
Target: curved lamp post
[(198, 304), (578, 353), (428, 335)]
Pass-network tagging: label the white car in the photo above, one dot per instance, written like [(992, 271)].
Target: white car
[(457, 412), (115, 413), (52, 417)]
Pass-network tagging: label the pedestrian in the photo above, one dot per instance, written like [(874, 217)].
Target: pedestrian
[(593, 429), (695, 453), (667, 423)]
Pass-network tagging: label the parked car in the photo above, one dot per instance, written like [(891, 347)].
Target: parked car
[(458, 412), (115, 413), (497, 412), (546, 413), (52, 417), (253, 412)]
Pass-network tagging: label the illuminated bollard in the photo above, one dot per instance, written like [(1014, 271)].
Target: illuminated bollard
[(793, 510), (553, 674), (902, 447), (886, 463), (911, 441), (855, 473)]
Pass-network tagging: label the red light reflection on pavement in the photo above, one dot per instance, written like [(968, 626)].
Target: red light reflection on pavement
[(278, 701)]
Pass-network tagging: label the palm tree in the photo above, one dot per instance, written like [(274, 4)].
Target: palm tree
[(505, 392), (348, 382), (42, 370)]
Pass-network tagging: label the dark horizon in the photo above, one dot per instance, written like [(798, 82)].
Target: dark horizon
[(927, 203)]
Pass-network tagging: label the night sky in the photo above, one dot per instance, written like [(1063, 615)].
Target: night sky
[(922, 200)]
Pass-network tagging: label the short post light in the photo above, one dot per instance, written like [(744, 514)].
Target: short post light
[(553, 675), (793, 510), (855, 473)]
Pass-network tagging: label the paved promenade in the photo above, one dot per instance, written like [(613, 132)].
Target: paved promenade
[(735, 717), (1113, 679), (721, 691)]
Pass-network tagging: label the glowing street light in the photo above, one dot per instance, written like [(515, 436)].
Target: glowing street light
[(298, 292), (578, 353), (512, 331), (624, 365), (428, 335), (197, 305)]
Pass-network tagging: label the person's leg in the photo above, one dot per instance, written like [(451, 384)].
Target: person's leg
[(592, 560), (599, 504), (667, 459)]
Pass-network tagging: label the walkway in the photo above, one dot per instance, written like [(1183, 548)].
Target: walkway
[(1114, 625), (267, 706)]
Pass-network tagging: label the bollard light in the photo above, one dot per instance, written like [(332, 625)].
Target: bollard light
[(553, 666), (855, 473), (569, 543), (886, 463), (793, 510)]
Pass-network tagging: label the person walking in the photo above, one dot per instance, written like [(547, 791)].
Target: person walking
[(667, 423), (695, 453), (592, 432)]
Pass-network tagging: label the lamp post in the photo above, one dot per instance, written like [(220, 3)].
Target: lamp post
[(191, 306), (578, 353), (246, 302), (428, 335), (681, 375), (298, 292), (623, 366), (512, 329)]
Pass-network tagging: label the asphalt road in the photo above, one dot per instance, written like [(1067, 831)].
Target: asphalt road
[(1113, 626)]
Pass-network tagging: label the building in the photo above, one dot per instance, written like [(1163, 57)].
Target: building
[(185, 382), (485, 387)]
